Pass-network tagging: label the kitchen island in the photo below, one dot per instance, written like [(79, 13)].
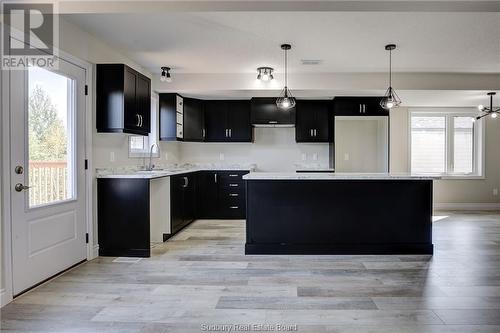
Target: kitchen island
[(318, 213)]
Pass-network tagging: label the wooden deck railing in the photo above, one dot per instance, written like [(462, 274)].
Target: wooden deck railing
[(48, 181)]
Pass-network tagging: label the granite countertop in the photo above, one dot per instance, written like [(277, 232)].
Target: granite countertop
[(331, 176), (134, 172)]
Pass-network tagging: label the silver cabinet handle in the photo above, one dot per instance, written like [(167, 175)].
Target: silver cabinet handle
[(233, 207), (233, 175), (272, 122), (233, 185), (203, 133), (215, 177), (230, 133), (141, 121), (315, 132), (233, 194), (186, 182), (226, 132), (138, 117), (311, 134), (360, 108)]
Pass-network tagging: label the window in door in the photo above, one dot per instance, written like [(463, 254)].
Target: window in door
[(447, 143), (51, 137)]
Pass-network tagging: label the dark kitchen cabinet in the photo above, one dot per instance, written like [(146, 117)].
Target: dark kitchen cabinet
[(358, 106), (221, 195), (228, 121), (208, 194), (314, 121), (182, 200), (194, 124), (123, 100), (215, 121), (171, 117), (265, 112), (123, 213)]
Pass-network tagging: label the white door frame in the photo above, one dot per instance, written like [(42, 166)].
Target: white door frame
[(6, 287)]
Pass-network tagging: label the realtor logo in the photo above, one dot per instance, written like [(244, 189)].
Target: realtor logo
[(30, 35)]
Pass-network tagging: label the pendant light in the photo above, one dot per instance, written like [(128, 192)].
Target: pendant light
[(286, 100), (165, 75), (488, 110), (391, 99)]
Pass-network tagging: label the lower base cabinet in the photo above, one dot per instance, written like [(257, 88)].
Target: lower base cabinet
[(132, 212), (221, 195)]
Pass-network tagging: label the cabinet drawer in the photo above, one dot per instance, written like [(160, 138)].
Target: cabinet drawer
[(232, 175), (232, 184)]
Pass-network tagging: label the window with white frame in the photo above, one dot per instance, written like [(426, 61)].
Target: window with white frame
[(446, 142), (138, 145)]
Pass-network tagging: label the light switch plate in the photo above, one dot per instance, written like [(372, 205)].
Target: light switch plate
[(303, 156), (112, 156), (315, 156), (346, 157), (221, 156), (495, 191)]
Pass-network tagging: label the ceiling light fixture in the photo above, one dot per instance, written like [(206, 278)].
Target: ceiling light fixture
[(286, 100), (488, 110), (391, 99), (265, 73), (165, 75)]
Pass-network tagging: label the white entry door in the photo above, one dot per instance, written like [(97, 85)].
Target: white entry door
[(47, 112)]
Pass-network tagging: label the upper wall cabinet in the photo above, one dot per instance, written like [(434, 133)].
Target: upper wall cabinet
[(265, 112), (228, 121), (181, 118), (123, 100), (358, 106), (314, 121)]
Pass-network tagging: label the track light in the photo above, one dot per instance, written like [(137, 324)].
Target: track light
[(165, 75), (265, 73), (488, 110)]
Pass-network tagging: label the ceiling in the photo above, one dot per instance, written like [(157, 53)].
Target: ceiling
[(239, 42)]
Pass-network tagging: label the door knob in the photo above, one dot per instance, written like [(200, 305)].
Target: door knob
[(20, 187), (19, 170)]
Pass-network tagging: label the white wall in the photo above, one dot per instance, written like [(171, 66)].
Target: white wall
[(451, 191), (274, 149)]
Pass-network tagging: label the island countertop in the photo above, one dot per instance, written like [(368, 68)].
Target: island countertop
[(334, 176)]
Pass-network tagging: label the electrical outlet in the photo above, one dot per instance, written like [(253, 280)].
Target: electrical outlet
[(221, 156), (166, 156), (495, 191), (346, 157), (304, 157), (315, 157), (112, 156)]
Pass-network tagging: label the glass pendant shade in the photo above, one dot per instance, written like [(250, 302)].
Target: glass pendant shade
[(286, 100), (390, 100)]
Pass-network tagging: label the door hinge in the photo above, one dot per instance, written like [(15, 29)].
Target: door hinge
[(86, 90), (86, 164), (87, 238)]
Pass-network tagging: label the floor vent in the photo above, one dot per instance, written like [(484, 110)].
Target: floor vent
[(127, 260)]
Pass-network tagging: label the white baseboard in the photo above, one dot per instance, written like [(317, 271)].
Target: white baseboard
[(95, 251), (4, 298), (467, 206)]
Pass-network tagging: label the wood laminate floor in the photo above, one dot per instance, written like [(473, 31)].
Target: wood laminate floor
[(201, 278)]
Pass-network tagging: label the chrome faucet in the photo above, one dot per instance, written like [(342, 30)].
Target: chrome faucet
[(151, 165)]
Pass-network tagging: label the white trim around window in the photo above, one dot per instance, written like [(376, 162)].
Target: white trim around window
[(478, 157)]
